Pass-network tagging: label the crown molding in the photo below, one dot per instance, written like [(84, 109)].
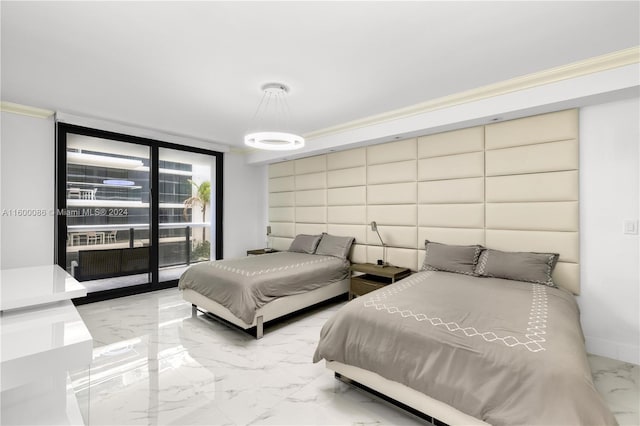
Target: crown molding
[(25, 110), (140, 131), (576, 69)]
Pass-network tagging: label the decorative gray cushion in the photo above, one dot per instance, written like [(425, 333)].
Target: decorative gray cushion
[(331, 245), (304, 243), (450, 258), (519, 266)]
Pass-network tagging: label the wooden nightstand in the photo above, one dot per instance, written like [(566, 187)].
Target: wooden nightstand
[(260, 251), (374, 277)]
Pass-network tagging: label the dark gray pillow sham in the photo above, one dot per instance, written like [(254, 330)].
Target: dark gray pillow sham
[(304, 243), (332, 245), (450, 258), (519, 266)]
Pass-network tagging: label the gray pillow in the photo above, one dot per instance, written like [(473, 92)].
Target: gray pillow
[(331, 245), (450, 258), (519, 266), (304, 243)]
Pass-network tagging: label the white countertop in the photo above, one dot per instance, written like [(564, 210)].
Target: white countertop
[(40, 340), (37, 285)]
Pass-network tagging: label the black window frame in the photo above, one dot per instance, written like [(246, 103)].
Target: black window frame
[(60, 228)]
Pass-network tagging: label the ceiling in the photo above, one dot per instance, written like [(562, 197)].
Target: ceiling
[(195, 68)]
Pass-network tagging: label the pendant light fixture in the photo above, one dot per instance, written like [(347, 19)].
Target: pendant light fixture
[(270, 121)]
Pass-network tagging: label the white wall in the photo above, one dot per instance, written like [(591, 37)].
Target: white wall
[(610, 260), (245, 205), (27, 169)]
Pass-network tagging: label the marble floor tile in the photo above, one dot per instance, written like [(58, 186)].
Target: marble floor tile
[(619, 383), (156, 365)]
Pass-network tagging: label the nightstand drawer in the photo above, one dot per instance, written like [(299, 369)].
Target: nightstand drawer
[(374, 277), (363, 284)]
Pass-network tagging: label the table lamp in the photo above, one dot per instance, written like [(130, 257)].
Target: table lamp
[(383, 262), (268, 248)]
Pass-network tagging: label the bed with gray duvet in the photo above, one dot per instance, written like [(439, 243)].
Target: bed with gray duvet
[(250, 291), (498, 351)]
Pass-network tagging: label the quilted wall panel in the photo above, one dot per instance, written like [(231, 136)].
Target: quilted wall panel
[(532, 189), (347, 198), (511, 185), (451, 188), (282, 197)]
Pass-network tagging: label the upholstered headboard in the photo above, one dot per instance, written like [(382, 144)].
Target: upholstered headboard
[(511, 186)]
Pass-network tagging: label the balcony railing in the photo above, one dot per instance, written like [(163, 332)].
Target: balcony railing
[(104, 237)]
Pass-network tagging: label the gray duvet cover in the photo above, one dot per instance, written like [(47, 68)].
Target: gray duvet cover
[(506, 352), (245, 284)]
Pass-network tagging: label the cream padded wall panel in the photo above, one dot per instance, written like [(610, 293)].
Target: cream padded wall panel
[(556, 126), (281, 214), (281, 184), (451, 167), (281, 169), (405, 258), (347, 159), (359, 253), (402, 171), (420, 259), (391, 152), (448, 143), (349, 196), (453, 191), (311, 215), (347, 215), (451, 215), (310, 228), (314, 164), (531, 186), (567, 244), (347, 177), (403, 215), (553, 186), (532, 189), (282, 229), (281, 244), (456, 236), (311, 181), (556, 216), (313, 197), (546, 157), (567, 276), (359, 232), (393, 236), (281, 199), (395, 193)]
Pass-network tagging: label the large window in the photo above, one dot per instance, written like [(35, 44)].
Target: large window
[(134, 212)]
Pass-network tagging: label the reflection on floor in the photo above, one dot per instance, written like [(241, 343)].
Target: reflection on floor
[(115, 282), (154, 364), (166, 274)]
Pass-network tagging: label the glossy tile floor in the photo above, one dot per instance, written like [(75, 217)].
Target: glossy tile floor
[(154, 364)]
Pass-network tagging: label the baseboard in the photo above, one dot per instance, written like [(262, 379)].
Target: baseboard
[(615, 350)]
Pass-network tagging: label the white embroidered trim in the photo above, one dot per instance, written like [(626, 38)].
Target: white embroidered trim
[(221, 264), (536, 324), (483, 263)]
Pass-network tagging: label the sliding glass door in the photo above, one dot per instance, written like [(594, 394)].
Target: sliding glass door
[(108, 212), (186, 206), (133, 213)]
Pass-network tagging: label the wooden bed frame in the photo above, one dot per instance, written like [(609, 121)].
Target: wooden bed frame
[(275, 309), (402, 396)]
